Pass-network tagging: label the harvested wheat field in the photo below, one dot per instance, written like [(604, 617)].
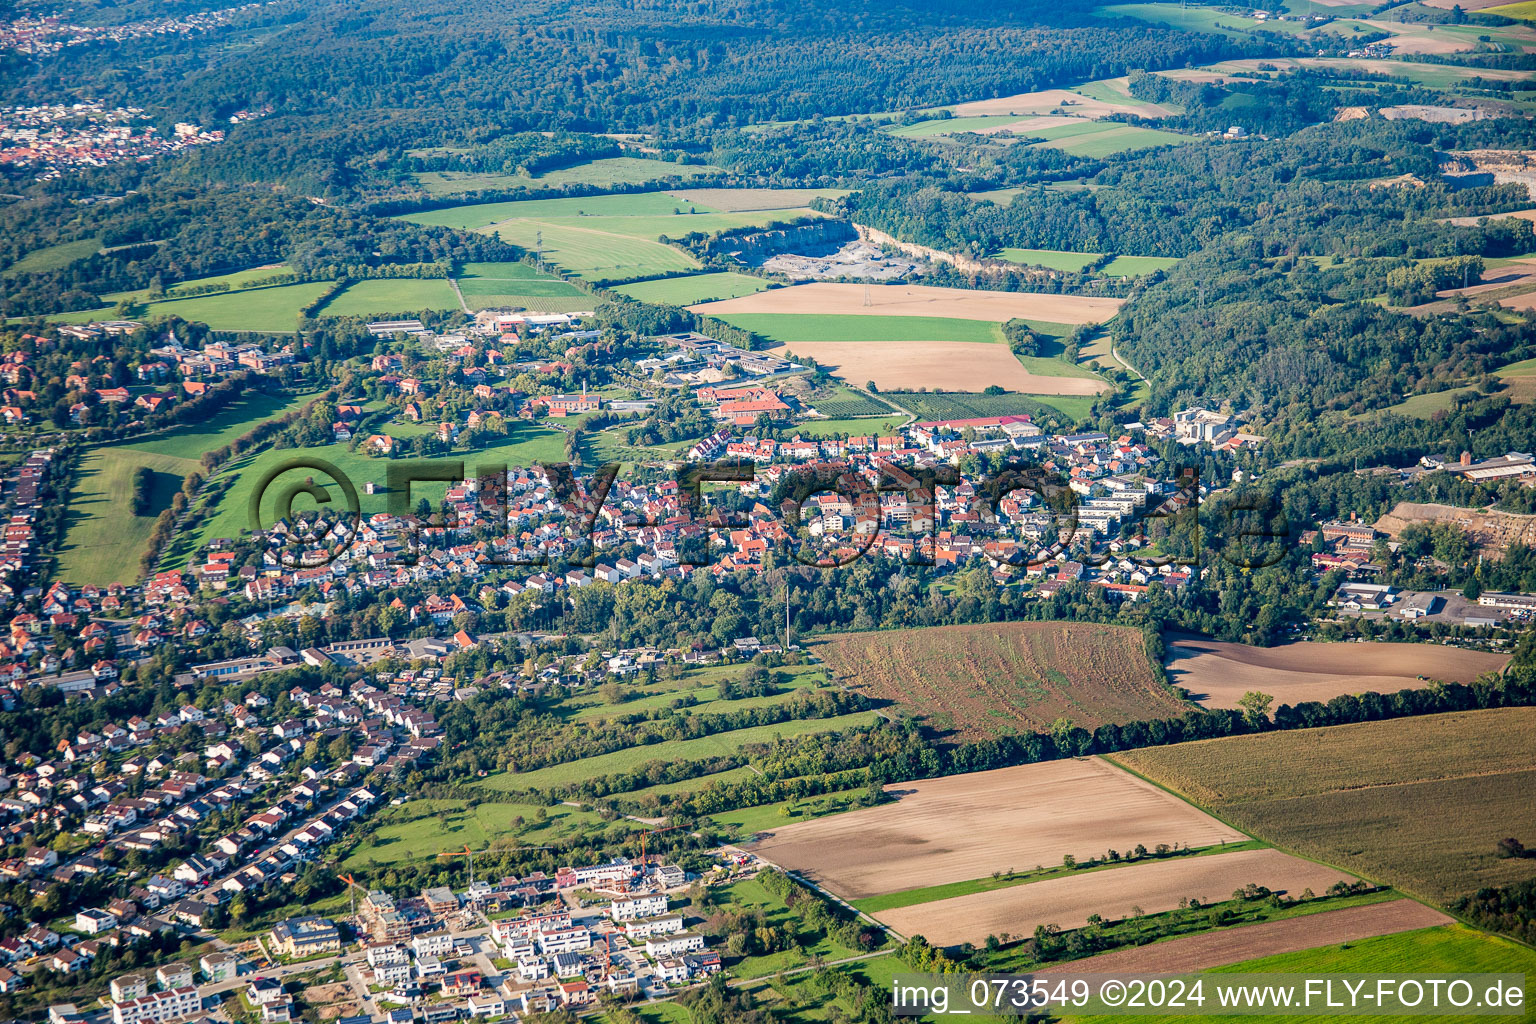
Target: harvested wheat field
[(946, 365), (1033, 124), (1218, 673), (1055, 101), (1419, 802), (977, 681), (964, 827), (1069, 901), (1190, 953), (823, 297)]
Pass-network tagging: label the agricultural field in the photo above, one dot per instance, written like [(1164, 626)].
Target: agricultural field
[(738, 200), (1201, 952), (1525, 11), (388, 297), (1104, 138), (604, 239), (424, 828), (1218, 673), (841, 402), (103, 539), (978, 681), (604, 173), (498, 285), (1050, 259), (683, 291), (1152, 886), (828, 298), (951, 405), (1075, 103), (54, 257), (274, 309), (1420, 802), (944, 365), (1010, 818), (630, 758), (799, 328)]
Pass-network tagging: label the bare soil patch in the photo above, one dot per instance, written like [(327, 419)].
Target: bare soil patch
[(1034, 124), (1054, 101), (1493, 531), (948, 365), (964, 827), (826, 297), (1154, 886), (1190, 953), (1218, 673)]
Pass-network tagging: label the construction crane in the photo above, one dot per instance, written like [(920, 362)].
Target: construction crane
[(471, 855), (352, 890), (643, 861)]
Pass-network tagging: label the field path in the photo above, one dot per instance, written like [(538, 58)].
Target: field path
[(1233, 945), (453, 283)]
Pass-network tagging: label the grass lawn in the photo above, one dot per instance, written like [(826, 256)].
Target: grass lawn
[(788, 328), (103, 540), (273, 309), (54, 257), (590, 707), (603, 238), (750, 894), (1422, 407), (957, 405), (419, 829), (1131, 266), (380, 298), (1051, 259), (1109, 138), (1451, 948), (239, 279), (526, 444), (615, 170), (630, 758), (683, 291), (745, 821)]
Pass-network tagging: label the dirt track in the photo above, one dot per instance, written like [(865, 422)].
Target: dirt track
[(1214, 949), (950, 365), (1071, 900), (1217, 673), (824, 297), (967, 826)]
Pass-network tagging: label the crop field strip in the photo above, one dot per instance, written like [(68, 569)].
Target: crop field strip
[(603, 173), (975, 681), (885, 300), (683, 291), (1153, 886), (1418, 802), (1011, 818)]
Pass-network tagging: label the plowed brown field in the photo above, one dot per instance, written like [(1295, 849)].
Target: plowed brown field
[(1069, 901), (964, 827), (978, 681)]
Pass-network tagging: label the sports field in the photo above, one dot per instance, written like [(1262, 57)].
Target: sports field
[(383, 298), (1419, 802), (974, 682), (1218, 673), (914, 300), (103, 539), (683, 291), (1011, 818)]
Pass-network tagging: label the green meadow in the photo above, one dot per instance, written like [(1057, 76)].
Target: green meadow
[(388, 297), (684, 291), (604, 173)]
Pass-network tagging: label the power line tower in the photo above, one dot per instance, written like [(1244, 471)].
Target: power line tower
[(538, 241), (867, 300)]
